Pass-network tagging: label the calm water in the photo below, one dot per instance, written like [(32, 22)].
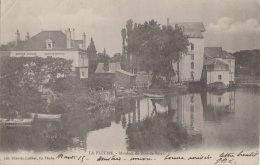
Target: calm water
[(197, 120)]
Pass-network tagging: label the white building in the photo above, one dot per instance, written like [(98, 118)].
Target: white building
[(190, 65), (55, 44), (219, 66)]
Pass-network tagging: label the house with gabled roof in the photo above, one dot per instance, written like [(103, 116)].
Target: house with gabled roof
[(190, 66), (54, 44), (219, 66)]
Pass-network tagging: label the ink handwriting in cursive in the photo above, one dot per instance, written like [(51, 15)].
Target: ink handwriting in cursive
[(113, 158), (168, 157)]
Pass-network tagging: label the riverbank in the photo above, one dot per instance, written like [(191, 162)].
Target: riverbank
[(244, 80)]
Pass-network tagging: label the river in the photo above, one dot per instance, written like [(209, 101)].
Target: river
[(195, 120)]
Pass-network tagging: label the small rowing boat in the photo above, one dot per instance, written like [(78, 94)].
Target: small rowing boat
[(154, 95), (15, 121), (45, 116)]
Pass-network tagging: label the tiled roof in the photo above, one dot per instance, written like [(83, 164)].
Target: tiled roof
[(192, 29), (38, 42), (125, 72), (217, 64), (112, 68), (217, 52)]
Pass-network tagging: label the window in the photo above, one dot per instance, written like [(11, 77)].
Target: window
[(49, 53), (191, 46), (59, 53), (192, 99), (20, 53), (82, 74), (192, 75), (49, 44), (192, 56), (192, 108), (31, 53), (219, 77), (192, 65), (219, 99)]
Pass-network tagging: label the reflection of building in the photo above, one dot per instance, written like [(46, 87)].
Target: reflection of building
[(191, 64), (217, 106), (219, 66), (54, 44), (189, 111)]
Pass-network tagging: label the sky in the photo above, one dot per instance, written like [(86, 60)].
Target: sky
[(232, 24)]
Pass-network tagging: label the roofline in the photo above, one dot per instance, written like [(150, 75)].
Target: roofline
[(204, 29), (48, 50)]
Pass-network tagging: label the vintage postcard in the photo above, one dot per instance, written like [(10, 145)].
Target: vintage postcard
[(129, 82)]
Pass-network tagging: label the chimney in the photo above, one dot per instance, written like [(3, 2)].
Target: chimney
[(27, 36), (68, 38), (73, 34), (17, 37), (84, 41), (168, 21)]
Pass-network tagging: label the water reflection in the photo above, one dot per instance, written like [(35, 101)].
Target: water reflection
[(190, 120)]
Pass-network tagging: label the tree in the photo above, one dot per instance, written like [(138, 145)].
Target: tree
[(117, 58), (35, 72), (18, 93), (74, 95), (106, 61), (247, 61), (8, 46), (154, 48), (93, 58)]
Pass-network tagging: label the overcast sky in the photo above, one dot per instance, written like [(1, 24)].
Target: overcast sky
[(232, 24)]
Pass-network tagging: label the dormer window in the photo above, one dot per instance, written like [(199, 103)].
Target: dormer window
[(49, 44)]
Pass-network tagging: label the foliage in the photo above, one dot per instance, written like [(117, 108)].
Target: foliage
[(93, 57), (105, 60), (98, 81), (9, 46), (248, 62), (17, 95), (117, 58), (73, 95), (157, 133), (155, 48), (35, 72)]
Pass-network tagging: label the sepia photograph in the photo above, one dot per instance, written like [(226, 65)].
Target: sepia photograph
[(129, 82)]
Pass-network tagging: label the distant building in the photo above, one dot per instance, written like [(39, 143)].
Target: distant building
[(219, 66), (125, 79), (112, 68), (54, 44), (189, 68)]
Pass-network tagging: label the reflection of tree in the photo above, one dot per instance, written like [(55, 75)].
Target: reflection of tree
[(55, 136), (41, 136), (157, 133), (154, 112)]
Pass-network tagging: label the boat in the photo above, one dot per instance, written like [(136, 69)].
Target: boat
[(15, 121), (45, 116), (154, 95)]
